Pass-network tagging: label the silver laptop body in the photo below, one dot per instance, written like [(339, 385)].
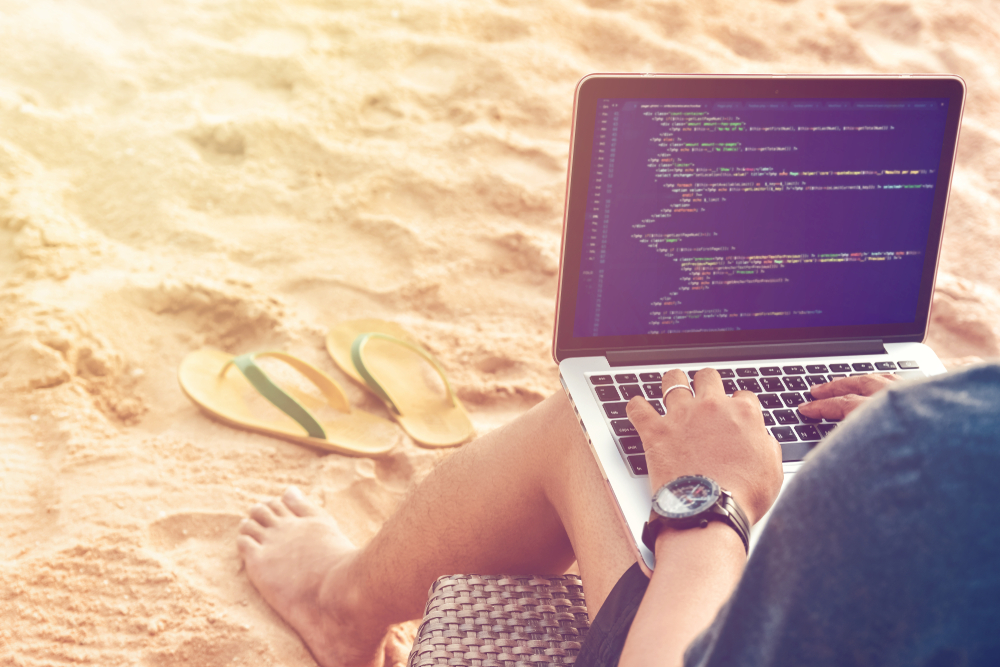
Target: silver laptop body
[(784, 226)]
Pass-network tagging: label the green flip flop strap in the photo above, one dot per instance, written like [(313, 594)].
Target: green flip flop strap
[(373, 384), (275, 394)]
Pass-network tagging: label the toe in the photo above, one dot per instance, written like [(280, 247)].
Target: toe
[(263, 515), (253, 530), (298, 503), (247, 546), (279, 508)]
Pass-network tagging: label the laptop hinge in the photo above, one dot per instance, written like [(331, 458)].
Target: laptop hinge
[(682, 355)]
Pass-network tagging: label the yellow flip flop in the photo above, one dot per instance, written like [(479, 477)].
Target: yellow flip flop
[(341, 338), (397, 369), (222, 385)]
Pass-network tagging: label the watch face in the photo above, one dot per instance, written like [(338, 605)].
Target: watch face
[(686, 496)]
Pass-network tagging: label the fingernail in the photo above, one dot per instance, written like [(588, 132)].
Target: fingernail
[(294, 491)]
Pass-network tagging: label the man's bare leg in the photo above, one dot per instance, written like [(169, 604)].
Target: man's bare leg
[(526, 498)]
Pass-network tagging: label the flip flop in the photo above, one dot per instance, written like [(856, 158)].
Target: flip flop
[(392, 365), (221, 384)]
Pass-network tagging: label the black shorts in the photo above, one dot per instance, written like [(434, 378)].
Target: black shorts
[(606, 637)]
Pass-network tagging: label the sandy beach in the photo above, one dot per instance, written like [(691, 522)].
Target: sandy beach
[(244, 175)]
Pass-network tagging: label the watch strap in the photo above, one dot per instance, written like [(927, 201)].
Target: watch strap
[(734, 516)]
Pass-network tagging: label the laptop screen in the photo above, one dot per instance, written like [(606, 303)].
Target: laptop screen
[(741, 219)]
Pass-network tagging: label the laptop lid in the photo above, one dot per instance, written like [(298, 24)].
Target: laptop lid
[(753, 211)]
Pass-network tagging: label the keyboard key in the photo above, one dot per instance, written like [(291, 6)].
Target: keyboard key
[(807, 420), (807, 433), (749, 385), (632, 445), (772, 384), (785, 417), (768, 419), (863, 366), (638, 464), (630, 390), (746, 372), (793, 370), (626, 378), (770, 370), (826, 429), (837, 375), (729, 386), (691, 374), (858, 374), (796, 451), (651, 377), (726, 373), (658, 406), (608, 393), (601, 379), (885, 365), (615, 410), (770, 401), (793, 400), (623, 427), (653, 390), (908, 364), (910, 374), (817, 368), (796, 384), (783, 434), (815, 379), (840, 368)]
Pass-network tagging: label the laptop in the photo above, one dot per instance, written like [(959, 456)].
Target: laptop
[(784, 230)]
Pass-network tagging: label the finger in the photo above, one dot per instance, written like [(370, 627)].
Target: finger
[(682, 394), (744, 395), (834, 409), (641, 413), (708, 382), (861, 385)]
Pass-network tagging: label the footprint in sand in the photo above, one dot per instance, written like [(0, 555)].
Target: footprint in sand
[(173, 531), (434, 72), (203, 546), (26, 488)]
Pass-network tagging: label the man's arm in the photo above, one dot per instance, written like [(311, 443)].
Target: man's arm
[(696, 572), (697, 568), (725, 439)]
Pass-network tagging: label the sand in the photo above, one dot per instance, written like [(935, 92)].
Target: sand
[(246, 174)]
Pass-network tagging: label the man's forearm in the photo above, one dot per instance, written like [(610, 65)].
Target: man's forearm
[(696, 571)]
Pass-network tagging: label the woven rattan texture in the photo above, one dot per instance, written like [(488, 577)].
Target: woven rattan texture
[(502, 621)]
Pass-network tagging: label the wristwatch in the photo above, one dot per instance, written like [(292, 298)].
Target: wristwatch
[(690, 501)]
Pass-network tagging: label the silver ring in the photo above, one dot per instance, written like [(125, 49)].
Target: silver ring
[(677, 386)]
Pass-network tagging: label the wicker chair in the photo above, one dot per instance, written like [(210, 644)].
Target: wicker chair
[(502, 621)]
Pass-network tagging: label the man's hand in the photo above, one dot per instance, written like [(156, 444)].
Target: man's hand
[(835, 400), (713, 435)]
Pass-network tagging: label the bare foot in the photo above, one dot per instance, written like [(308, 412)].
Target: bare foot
[(298, 558)]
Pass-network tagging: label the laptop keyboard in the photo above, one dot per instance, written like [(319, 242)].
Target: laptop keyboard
[(778, 388)]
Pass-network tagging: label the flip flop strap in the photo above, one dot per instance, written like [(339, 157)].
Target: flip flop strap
[(373, 384), (267, 388)]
